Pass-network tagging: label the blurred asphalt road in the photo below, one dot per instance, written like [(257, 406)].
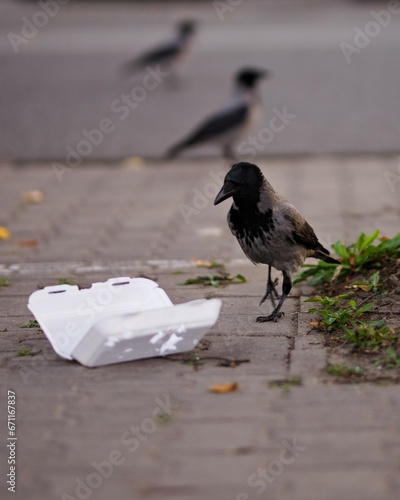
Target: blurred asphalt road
[(66, 78)]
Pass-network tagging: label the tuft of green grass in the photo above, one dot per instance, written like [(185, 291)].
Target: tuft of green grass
[(343, 371), (25, 351), (4, 282), (286, 383), (366, 253), (341, 314), (371, 285), (371, 335), (391, 359), (334, 314), (65, 281)]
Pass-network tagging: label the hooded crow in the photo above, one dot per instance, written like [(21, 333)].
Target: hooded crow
[(169, 54), (269, 229), (231, 123)]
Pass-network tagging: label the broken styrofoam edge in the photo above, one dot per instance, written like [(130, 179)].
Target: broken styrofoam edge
[(147, 334), (119, 320)]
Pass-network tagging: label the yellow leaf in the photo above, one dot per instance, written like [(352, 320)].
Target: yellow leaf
[(223, 388), (201, 263), (4, 233)]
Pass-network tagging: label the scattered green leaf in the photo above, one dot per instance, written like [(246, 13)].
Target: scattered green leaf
[(215, 280)]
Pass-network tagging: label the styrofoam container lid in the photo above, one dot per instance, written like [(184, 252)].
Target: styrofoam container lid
[(119, 320)]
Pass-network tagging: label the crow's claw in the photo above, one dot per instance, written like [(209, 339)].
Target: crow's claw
[(272, 317)]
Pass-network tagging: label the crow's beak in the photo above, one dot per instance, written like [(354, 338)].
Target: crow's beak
[(228, 190)]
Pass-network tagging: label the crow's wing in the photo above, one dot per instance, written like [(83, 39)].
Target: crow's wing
[(158, 55), (301, 231), (218, 124)]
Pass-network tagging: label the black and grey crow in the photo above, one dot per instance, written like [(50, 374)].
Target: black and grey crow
[(169, 54), (269, 229), (227, 126)]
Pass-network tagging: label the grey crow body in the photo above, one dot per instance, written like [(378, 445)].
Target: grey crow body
[(269, 229), (231, 123), (169, 54)]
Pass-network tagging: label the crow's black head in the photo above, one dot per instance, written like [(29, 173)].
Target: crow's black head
[(248, 77), (243, 181), (187, 27)]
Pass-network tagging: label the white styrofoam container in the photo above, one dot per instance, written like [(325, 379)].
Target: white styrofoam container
[(119, 320)]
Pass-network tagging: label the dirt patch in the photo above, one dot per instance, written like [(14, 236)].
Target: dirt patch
[(350, 362)]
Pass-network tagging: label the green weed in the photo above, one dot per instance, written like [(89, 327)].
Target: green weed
[(342, 314), (363, 255)]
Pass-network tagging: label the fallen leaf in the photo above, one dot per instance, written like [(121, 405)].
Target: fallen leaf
[(133, 163), (33, 196), (201, 263), (4, 233), (27, 243), (223, 388), (397, 262), (313, 323)]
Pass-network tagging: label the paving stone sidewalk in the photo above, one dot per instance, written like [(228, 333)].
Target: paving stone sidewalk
[(151, 429)]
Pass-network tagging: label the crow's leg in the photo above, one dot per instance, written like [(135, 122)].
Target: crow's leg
[(271, 291), (276, 313)]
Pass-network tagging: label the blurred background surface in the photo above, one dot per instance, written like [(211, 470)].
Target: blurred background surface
[(66, 77)]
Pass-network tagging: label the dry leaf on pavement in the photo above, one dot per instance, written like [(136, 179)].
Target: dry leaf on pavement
[(222, 388), (32, 196), (4, 233)]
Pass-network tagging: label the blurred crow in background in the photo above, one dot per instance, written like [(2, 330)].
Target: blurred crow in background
[(233, 122), (269, 229), (167, 55)]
